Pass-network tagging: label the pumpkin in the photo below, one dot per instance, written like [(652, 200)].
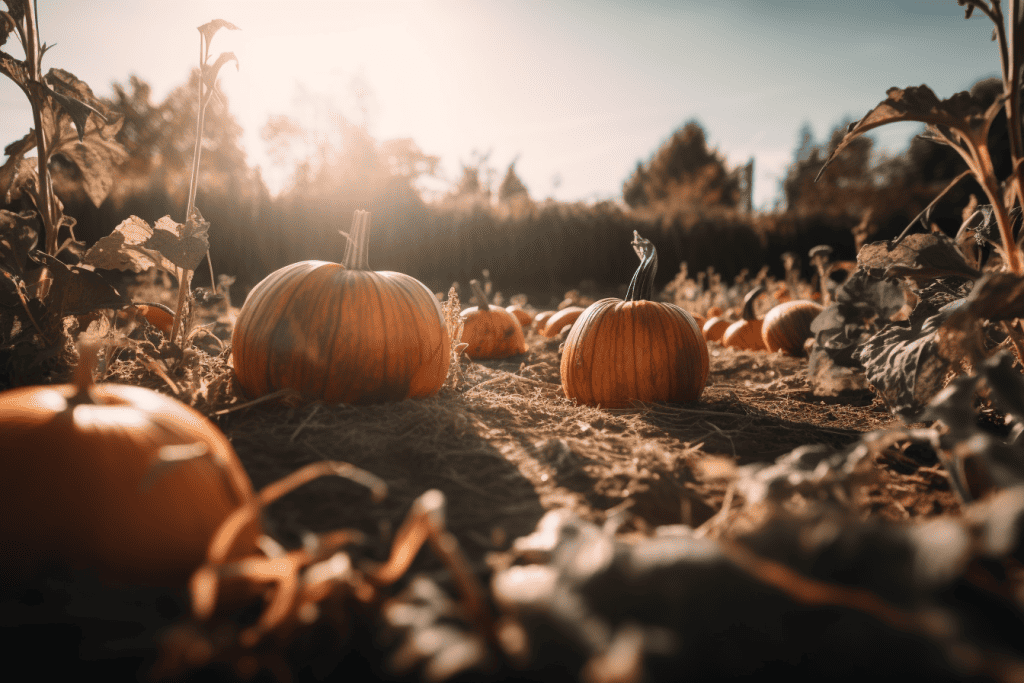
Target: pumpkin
[(541, 319), (159, 316), (746, 332), (113, 478), (714, 312), (341, 332), (561, 320), (523, 316), (490, 331), (787, 326), (621, 350), (715, 327)]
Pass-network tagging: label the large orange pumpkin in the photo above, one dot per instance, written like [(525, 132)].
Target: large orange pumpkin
[(490, 331), (341, 332), (787, 326), (117, 479), (620, 350), (746, 332)]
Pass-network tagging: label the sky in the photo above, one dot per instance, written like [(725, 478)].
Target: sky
[(575, 92)]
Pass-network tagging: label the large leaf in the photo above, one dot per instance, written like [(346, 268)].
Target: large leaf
[(903, 362), (963, 113), (74, 97), (75, 290), (135, 246), (922, 256)]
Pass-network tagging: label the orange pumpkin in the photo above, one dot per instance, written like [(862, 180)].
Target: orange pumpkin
[(746, 332), (561, 320), (523, 316), (341, 332), (490, 331), (715, 327), (714, 312), (541, 319), (159, 316), (620, 350), (787, 326), (118, 479)]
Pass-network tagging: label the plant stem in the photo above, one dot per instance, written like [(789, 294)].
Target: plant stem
[(989, 182), (44, 191)]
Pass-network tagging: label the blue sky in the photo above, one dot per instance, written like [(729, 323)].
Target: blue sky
[(578, 91)]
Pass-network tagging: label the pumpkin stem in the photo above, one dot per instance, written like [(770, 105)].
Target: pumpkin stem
[(641, 288), (479, 295), (88, 351), (748, 302), (357, 250)]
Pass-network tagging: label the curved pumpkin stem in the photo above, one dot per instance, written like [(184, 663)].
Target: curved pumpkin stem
[(480, 296), (641, 287), (748, 302), (357, 251)]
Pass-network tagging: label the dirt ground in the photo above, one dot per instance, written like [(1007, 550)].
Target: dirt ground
[(504, 448), (508, 446)]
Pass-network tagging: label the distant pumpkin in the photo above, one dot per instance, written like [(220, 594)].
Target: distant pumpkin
[(490, 331), (746, 332), (787, 326), (561, 320), (635, 349)]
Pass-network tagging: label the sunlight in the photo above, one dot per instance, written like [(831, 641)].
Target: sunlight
[(328, 58)]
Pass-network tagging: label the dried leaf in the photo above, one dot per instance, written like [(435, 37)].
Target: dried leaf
[(209, 29), (920, 255), (903, 363), (210, 71), (74, 97), (19, 235), (14, 69), (183, 245), (963, 113), (125, 249), (75, 290), (134, 245)]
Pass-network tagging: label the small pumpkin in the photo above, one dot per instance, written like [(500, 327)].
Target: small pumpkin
[(522, 315), (159, 316), (541, 319), (621, 350), (114, 478), (746, 332), (715, 327), (714, 312), (490, 331), (787, 326), (561, 320), (341, 332)]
